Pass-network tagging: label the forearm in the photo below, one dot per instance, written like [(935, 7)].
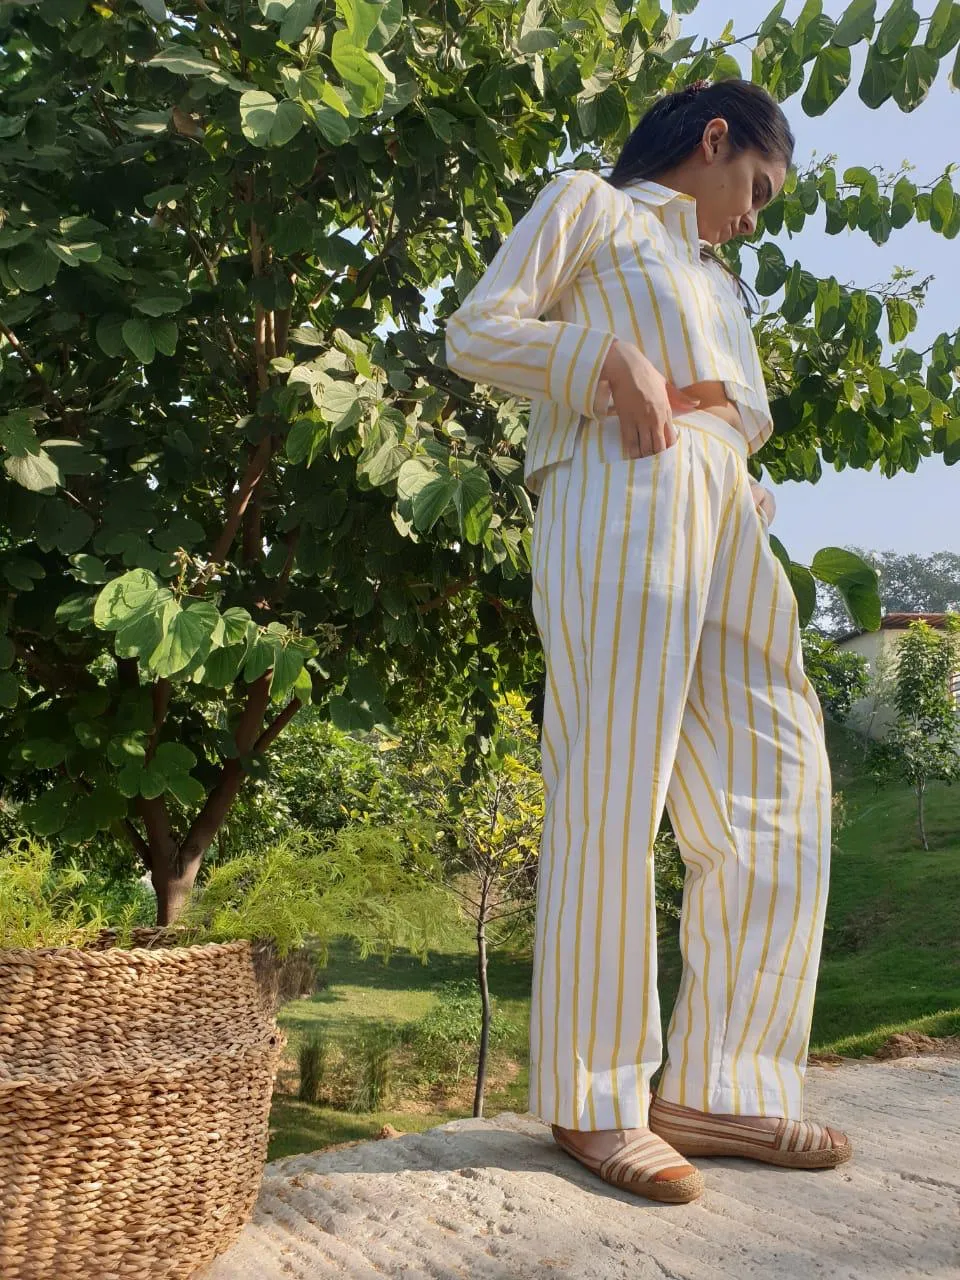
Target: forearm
[(550, 359)]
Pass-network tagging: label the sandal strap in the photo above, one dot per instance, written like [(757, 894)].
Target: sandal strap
[(642, 1158), (789, 1135)]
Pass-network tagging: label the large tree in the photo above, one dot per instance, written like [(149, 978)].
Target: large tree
[(236, 473)]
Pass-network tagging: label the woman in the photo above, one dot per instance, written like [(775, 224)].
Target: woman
[(673, 657)]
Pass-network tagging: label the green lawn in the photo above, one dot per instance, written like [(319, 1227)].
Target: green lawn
[(891, 962)]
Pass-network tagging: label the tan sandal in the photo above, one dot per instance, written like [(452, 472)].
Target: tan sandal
[(793, 1144), (645, 1165)]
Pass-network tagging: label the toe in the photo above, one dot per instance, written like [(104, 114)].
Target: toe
[(837, 1137), (675, 1174)]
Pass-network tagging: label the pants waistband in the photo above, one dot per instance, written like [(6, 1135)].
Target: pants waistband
[(606, 432), (714, 425)]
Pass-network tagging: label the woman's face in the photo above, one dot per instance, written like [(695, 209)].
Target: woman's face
[(732, 186)]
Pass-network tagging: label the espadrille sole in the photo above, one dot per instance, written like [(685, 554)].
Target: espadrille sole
[(677, 1191)]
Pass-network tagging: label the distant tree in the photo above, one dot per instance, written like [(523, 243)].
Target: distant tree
[(924, 744)]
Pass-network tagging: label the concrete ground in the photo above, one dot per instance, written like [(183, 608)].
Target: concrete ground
[(498, 1200)]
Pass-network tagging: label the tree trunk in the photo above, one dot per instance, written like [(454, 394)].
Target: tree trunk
[(485, 998), (172, 884), (920, 814)]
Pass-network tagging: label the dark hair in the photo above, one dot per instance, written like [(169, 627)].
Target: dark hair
[(674, 125)]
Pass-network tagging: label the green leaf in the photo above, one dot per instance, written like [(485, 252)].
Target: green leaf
[(300, 15), (138, 336), (771, 20), (74, 254), (17, 435), (307, 437), (260, 658), (187, 790), (31, 267), (432, 499), (856, 24), (72, 457), (800, 295), (827, 307), (187, 634), (941, 204), (9, 689), (165, 334), (88, 568), (235, 624), (110, 336), (836, 565), (21, 572), (332, 125), (828, 79), (36, 472), (7, 652), (183, 61), (43, 753), (472, 499), (900, 24), (155, 9), (863, 601), (140, 636), (159, 304), (772, 269), (125, 597), (901, 318), (338, 399), (944, 29), (537, 39), (917, 75), (222, 666), (358, 70), (266, 122), (174, 758), (288, 663), (805, 590), (47, 814), (879, 76), (902, 208)]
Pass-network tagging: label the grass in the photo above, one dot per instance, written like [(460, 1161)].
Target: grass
[(890, 963)]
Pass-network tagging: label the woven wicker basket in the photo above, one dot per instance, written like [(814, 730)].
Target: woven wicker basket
[(134, 1100)]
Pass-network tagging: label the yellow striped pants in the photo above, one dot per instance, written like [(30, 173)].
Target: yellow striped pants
[(674, 677)]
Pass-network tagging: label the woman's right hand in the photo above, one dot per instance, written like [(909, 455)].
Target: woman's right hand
[(643, 401)]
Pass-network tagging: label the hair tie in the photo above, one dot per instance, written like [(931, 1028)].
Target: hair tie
[(697, 86)]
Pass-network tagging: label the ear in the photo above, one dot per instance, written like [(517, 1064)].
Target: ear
[(714, 140)]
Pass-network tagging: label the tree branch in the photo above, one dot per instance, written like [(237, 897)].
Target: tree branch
[(256, 467), (48, 392), (277, 726), (211, 816)]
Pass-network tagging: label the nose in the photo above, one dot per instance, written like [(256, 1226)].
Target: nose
[(748, 223)]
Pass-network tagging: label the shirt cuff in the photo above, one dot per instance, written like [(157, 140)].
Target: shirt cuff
[(574, 373)]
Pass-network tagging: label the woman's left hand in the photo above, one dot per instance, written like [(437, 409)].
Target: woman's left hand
[(764, 501)]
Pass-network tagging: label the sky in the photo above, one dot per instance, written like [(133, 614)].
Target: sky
[(917, 513)]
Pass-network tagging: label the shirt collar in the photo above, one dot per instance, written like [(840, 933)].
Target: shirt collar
[(676, 210)]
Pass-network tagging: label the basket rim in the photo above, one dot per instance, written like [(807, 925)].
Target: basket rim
[(103, 955)]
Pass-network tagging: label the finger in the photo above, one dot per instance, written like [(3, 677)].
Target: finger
[(628, 439)]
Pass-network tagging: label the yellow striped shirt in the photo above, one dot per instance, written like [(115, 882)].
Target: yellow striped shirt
[(598, 263)]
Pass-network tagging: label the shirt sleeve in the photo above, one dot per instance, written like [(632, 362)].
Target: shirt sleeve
[(497, 337)]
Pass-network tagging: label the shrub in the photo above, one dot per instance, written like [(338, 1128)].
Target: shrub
[(313, 1061)]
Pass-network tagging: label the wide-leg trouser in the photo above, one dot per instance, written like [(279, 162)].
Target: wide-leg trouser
[(674, 677)]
